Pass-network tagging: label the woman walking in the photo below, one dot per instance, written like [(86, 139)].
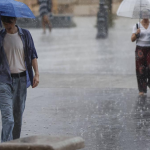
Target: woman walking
[(141, 34), (45, 9)]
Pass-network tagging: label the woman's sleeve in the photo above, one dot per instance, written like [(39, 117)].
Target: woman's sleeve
[(134, 29)]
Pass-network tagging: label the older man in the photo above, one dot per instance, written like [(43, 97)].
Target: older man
[(17, 58)]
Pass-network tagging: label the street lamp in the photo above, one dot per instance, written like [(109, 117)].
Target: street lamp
[(102, 20)]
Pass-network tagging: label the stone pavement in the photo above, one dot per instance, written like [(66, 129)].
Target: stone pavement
[(44, 143), (88, 88), (108, 119)]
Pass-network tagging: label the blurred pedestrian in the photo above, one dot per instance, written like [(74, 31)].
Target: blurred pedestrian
[(17, 57), (141, 34), (45, 10)]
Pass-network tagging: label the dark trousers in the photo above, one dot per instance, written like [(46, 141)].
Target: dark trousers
[(142, 57)]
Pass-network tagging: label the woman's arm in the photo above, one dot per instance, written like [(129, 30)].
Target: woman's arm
[(134, 35)]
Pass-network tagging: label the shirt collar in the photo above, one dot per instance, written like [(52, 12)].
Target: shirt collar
[(19, 31)]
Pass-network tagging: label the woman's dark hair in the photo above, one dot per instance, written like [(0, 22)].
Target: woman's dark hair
[(7, 19)]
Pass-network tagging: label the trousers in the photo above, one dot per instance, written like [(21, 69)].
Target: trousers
[(12, 105), (142, 57)]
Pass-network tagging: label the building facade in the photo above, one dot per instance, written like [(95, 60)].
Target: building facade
[(75, 7)]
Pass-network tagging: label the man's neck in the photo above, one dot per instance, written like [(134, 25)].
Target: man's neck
[(13, 30)]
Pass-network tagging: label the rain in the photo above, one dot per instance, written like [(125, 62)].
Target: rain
[(88, 86)]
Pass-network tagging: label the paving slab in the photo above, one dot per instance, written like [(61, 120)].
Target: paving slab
[(44, 143)]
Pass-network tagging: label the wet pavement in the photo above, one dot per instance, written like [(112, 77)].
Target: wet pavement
[(108, 119), (76, 50), (88, 88), (74, 58)]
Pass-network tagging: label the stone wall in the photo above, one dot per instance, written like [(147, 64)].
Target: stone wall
[(115, 5), (74, 7)]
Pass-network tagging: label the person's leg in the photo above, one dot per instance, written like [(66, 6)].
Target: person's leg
[(47, 21), (19, 99), (49, 25), (6, 107), (148, 68), (44, 24), (141, 70)]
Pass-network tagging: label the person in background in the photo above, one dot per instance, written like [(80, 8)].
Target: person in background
[(141, 34), (45, 9), (17, 58)]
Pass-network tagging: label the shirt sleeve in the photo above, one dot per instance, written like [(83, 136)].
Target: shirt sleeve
[(32, 47), (134, 29)]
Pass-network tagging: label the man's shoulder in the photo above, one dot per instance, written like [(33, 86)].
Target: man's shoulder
[(22, 31), (25, 31), (2, 31), (2, 34)]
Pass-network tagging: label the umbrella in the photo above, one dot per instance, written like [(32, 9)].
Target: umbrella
[(14, 8), (133, 8)]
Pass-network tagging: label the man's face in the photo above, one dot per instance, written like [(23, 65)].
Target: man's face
[(9, 26)]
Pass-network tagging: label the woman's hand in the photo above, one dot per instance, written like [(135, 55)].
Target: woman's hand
[(135, 35), (138, 31)]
